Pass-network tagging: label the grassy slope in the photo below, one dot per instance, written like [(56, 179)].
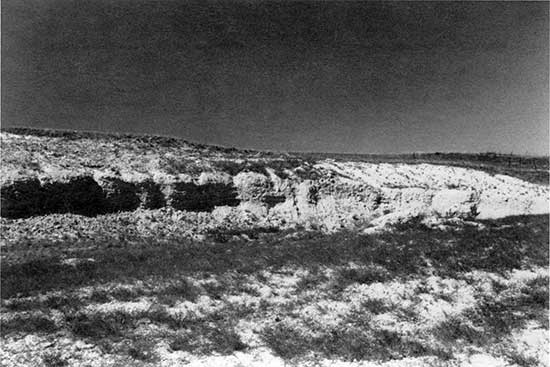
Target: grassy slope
[(274, 280), (179, 156), (64, 152)]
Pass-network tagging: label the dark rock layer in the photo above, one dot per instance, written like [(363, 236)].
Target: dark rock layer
[(83, 195), (188, 196)]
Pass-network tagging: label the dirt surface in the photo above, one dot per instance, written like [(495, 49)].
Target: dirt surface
[(471, 295)]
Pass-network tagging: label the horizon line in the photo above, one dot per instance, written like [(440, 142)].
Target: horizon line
[(136, 134)]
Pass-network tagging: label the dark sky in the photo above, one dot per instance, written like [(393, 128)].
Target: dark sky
[(366, 77)]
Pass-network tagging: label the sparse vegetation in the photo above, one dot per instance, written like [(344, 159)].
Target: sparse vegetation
[(54, 360), (221, 339), (178, 290), (39, 323), (520, 359), (375, 306), (531, 169), (358, 343), (224, 235), (331, 268), (98, 325), (458, 329), (364, 275), (142, 350)]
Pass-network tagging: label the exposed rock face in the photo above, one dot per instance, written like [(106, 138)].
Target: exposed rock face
[(21, 198), (119, 195), (150, 195), (329, 195), (192, 197), (348, 196), (24, 198), (252, 186), (455, 203), (80, 195)]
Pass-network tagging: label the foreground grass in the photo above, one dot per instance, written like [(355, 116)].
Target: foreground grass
[(411, 292)]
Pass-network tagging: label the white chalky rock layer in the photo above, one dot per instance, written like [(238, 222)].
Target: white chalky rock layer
[(381, 193)]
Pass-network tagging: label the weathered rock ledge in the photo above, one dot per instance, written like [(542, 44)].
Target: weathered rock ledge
[(341, 195)]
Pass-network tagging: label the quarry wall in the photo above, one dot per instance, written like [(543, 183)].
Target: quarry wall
[(342, 195)]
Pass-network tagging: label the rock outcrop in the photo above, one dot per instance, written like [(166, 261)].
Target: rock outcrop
[(327, 194)]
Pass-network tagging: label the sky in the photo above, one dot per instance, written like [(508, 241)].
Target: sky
[(349, 77)]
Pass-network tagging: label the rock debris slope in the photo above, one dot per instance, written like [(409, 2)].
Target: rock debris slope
[(98, 175)]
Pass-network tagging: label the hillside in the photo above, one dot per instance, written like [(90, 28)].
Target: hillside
[(147, 251), (57, 172)]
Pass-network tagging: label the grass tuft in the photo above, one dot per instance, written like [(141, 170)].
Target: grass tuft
[(220, 339), (375, 306), (97, 326), (356, 343), (519, 359), (362, 275), (142, 350), (179, 290), (28, 324), (456, 328), (54, 360), (158, 314)]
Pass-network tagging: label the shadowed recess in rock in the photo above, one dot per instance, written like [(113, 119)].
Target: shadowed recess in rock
[(189, 196), (86, 196)]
